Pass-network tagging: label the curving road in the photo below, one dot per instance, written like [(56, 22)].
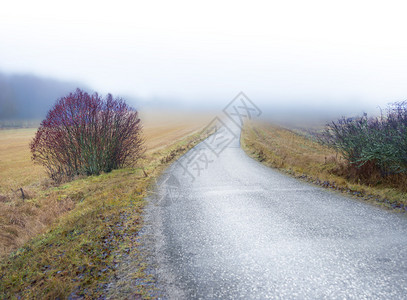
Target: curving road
[(230, 228)]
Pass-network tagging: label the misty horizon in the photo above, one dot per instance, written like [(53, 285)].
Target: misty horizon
[(35, 95), (314, 57)]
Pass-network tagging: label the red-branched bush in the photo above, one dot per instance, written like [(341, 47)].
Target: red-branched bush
[(86, 134)]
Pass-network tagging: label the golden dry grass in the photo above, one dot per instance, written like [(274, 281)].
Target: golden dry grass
[(16, 168), (163, 127), (305, 158), (287, 150), (22, 219)]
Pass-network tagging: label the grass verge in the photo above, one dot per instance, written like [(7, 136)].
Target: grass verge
[(79, 252), (306, 159), (28, 201)]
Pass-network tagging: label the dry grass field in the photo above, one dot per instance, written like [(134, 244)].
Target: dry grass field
[(21, 219), (161, 128), (16, 168), (18, 171), (68, 240)]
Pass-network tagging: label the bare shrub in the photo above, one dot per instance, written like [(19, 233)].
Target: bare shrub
[(84, 134)]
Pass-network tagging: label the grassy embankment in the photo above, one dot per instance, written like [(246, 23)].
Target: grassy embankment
[(305, 158), (68, 239)]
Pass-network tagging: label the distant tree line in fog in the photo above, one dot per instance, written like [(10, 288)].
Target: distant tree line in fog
[(28, 97)]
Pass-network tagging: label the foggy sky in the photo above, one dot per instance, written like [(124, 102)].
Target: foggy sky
[(285, 53)]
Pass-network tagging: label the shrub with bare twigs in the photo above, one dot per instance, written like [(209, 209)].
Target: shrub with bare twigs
[(86, 134)]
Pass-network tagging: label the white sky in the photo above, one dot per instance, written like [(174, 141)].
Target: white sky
[(297, 52)]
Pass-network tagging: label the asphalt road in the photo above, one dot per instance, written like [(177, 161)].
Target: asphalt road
[(238, 229)]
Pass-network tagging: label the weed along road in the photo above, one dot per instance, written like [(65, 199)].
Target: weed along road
[(224, 226)]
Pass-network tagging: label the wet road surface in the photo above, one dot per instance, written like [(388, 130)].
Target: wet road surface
[(226, 227)]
